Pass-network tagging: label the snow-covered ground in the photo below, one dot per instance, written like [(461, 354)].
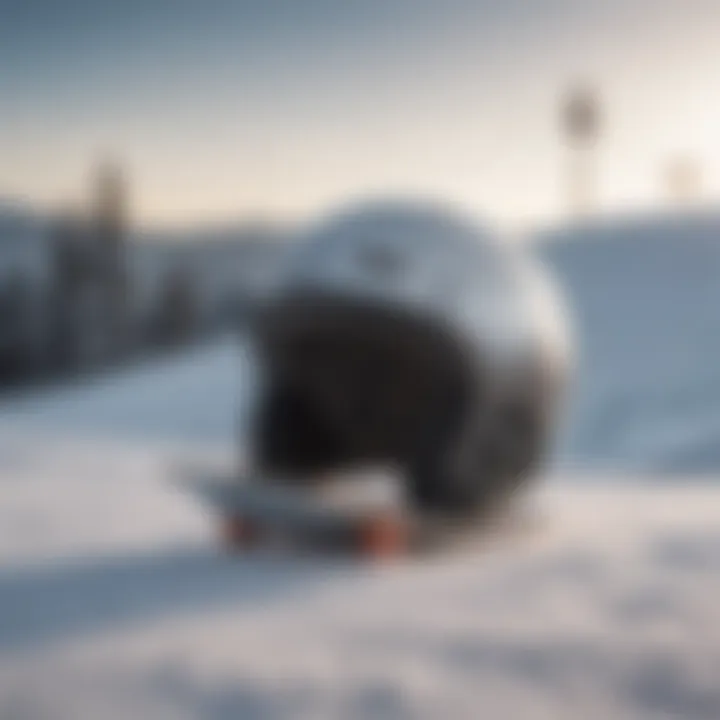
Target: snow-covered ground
[(115, 602), (645, 293)]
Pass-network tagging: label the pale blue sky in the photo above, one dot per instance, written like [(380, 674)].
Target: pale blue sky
[(221, 108)]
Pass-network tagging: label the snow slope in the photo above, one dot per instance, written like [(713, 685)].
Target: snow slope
[(645, 293), (114, 602), (190, 399)]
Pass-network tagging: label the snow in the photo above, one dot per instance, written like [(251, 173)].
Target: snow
[(192, 399), (645, 294), (115, 601)]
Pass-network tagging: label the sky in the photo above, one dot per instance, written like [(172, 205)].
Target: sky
[(223, 109)]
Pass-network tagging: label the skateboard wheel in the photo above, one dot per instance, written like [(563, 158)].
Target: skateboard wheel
[(382, 537), (238, 532)]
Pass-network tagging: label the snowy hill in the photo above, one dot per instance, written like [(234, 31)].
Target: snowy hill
[(115, 603), (645, 294), (191, 400)]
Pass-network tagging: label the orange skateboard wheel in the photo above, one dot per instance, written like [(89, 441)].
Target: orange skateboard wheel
[(382, 537)]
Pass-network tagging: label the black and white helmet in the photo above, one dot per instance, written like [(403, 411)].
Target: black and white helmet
[(403, 333)]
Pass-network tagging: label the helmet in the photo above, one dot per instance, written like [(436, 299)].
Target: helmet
[(402, 333)]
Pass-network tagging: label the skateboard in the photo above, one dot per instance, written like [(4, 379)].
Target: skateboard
[(255, 515)]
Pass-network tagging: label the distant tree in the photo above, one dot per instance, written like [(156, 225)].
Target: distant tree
[(70, 273), (16, 345), (178, 311), (110, 231)]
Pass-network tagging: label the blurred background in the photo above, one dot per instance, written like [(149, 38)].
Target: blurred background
[(156, 161)]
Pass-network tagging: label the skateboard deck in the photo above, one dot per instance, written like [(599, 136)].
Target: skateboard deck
[(374, 525)]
